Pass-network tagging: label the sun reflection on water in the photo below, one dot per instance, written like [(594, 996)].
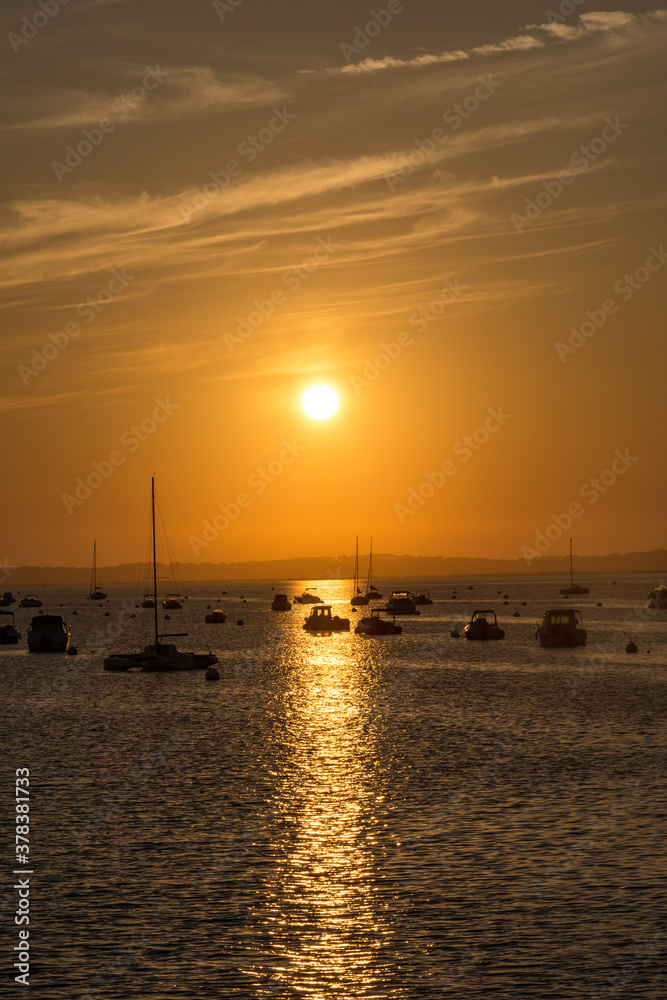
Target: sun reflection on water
[(328, 926)]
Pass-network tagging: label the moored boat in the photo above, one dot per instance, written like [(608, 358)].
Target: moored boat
[(321, 620), (95, 593), (657, 598), (422, 597), (159, 656), (574, 588), (374, 624), (216, 618), (561, 627), (48, 634), (30, 601), (9, 634), (401, 602), (372, 593), (307, 598), (483, 625), (172, 602), (7, 599), (281, 603), (357, 597)]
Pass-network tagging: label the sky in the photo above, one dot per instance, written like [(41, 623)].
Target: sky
[(452, 217)]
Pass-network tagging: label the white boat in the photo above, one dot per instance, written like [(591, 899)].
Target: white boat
[(402, 602), (9, 634), (48, 634), (561, 627), (95, 593), (357, 597), (372, 593), (657, 598), (158, 655)]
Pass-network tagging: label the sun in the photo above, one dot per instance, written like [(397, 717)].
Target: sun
[(320, 402)]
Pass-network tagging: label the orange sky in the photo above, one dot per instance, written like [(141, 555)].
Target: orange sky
[(459, 227)]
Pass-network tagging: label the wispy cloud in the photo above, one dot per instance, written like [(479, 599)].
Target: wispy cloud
[(594, 22)]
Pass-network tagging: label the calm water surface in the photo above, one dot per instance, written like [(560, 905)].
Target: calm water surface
[(343, 816)]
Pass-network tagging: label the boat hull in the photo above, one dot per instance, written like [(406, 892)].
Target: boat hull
[(551, 641)]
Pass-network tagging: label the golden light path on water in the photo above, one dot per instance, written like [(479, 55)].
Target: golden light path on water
[(328, 924)]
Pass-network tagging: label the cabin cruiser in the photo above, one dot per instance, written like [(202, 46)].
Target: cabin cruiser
[(376, 625), (422, 597), (561, 627), (30, 601), (307, 598), (9, 633), (321, 620), (172, 602), (48, 634), (281, 603), (216, 618), (483, 625), (401, 602), (7, 599), (657, 598), (148, 601)]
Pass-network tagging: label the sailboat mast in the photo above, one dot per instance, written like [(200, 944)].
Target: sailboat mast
[(370, 568), (571, 576), (154, 559), (93, 586), (356, 567)]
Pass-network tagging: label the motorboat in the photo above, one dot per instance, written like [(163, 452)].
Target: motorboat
[(281, 603), (657, 598), (376, 625), (148, 601), (95, 593), (159, 656), (9, 634), (372, 593), (307, 598), (561, 627), (7, 599), (422, 597), (216, 618), (357, 597), (172, 602), (48, 634), (30, 601), (574, 588), (321, 620), (483, 625), (401, 602)]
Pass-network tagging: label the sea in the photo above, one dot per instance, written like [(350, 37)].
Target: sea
[(340, 815)]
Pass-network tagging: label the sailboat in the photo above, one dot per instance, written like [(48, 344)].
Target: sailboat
[(372, 593), (574, 588), (357, 596), (95, 592), (158, 655)]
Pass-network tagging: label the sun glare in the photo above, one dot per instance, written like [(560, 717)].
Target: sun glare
[(320, 402)]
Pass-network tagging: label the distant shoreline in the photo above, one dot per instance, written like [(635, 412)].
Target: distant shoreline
[(387, 567)]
